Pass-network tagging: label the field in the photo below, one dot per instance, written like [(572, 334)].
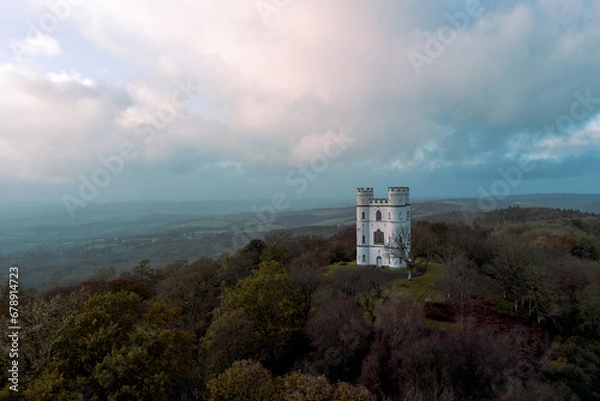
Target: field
[(421, 288)]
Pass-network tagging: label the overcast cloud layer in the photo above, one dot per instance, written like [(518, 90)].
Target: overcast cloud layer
[(147, 99)]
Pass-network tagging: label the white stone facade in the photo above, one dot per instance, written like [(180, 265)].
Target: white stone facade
[(378, 222)]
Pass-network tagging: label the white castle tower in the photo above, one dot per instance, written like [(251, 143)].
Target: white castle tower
[(379, 221)]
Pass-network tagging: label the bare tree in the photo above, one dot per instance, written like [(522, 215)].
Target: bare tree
[(509, 268), (459, 281), (424, 242), (400, 248)]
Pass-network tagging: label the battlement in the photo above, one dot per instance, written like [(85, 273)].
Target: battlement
[(363, 196), (396, 196)]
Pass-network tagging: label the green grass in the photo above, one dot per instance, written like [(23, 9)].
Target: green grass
[(419, 288), (422, 287), (503, 305), (336, 266), (445, 326)]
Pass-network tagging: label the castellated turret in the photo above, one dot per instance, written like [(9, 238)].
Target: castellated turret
[(363, 196), (398, 195), (379, 222)]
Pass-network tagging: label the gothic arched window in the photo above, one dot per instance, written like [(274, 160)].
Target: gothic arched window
[(378, 237), (363, 215), (363, 239), (378, 216)]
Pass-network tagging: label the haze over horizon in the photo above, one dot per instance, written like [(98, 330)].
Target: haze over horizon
[(146, 100)]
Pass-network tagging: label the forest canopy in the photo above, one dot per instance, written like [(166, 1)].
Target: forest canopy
[(505, 308)]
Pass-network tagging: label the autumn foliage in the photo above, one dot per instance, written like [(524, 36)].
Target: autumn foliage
[(516, 316)]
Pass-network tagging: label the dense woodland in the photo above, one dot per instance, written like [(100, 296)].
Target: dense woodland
[(512, 313)]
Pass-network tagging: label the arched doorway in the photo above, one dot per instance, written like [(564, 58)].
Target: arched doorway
[(379, 261)]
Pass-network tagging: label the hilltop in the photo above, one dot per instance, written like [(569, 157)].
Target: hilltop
[(54, 250)]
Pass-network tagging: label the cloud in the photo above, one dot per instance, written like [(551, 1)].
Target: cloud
[(267, 94), (53, 124), (39, 44)]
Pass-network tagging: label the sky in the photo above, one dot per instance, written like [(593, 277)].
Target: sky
[(109, 101)]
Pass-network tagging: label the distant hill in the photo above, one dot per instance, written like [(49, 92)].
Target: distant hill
[(592, 207), (54, 250), (456, 210), (583, 202)]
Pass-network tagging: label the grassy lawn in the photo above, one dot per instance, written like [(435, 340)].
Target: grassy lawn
[(418, 289), (336, 266), (504, 305), (421, 287)]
